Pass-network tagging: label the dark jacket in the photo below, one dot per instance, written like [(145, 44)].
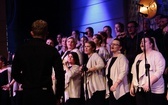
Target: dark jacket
[(33, 63)]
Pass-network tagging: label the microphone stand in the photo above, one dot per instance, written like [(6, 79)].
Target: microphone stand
[(147, 65), (84, 69)]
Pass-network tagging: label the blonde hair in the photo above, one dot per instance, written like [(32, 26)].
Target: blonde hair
[(74, 40)]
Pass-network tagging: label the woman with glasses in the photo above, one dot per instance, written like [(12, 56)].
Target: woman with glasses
[(116, 76)]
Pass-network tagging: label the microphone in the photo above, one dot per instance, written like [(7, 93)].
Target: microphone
[(146, 15), (84, 33), (141, 5)]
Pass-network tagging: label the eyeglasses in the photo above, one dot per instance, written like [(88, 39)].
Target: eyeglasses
[(113, 44)]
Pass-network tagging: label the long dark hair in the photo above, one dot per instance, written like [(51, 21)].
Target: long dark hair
[(110, 30), (75, 57), (91, 30), (121, 26)]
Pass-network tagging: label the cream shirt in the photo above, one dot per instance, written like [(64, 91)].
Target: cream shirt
[(72, 83), (95, 79), (157, 67), (118, 70)]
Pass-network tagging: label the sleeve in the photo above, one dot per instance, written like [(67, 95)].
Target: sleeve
[(159, 64), (74, 71), (133, 71), (59, 75), (99, 62)]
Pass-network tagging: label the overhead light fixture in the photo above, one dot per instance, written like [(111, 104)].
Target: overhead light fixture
[(148, 8)]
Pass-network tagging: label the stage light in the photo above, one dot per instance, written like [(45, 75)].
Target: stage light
[(148, 7)]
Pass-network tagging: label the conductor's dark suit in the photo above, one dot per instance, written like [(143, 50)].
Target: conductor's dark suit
[(32, 67)]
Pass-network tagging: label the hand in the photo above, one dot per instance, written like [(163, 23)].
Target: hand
[(20, 87), (58, 102), (132, 91), (80, 68), (92, 69), (65, 66), (145, 87), (89, 70), (113, 87), (64, 62), (6, 87)]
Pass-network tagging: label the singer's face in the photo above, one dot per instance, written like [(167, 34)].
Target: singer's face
[(131, 28), (157, 20), (148, 44), (88, 49), (146, 25), (95, 40), (71, 44), (71, 59), (59, 38), (74, 34), (64, 40), (115, 46), (163, 22), (117, 28), (105, 29)]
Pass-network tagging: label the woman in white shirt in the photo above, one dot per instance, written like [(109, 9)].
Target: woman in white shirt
[(116, 74), (94, 79), (148, 92), (72, 80)]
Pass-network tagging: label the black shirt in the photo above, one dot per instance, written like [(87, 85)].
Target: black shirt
[(33, 63), (110, 82)]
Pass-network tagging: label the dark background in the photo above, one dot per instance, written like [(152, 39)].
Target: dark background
[(22, 13), (63, 16)]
